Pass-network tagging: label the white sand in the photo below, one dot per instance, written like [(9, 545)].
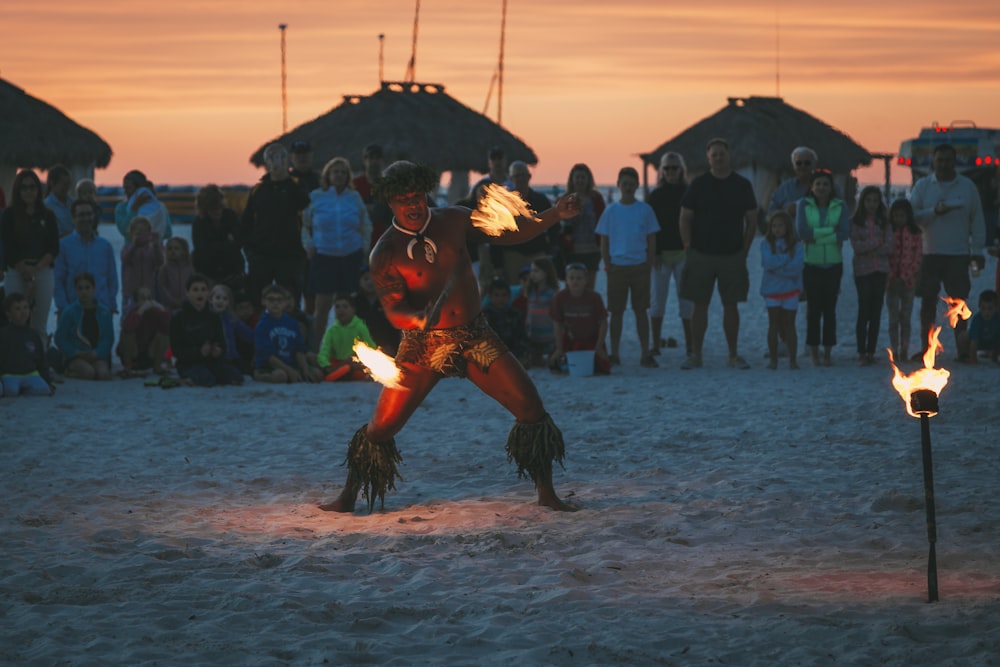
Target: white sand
[(729, 518)]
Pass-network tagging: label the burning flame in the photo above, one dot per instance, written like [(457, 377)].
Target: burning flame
[(957, 310), (497, 210), (380, 365), (928, 377)]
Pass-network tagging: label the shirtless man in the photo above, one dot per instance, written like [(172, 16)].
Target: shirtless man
[(424, 277)]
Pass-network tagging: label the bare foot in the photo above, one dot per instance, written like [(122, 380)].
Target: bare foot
[(548, 498), (339, 505)]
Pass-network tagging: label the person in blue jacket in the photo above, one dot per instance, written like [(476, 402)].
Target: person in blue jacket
[(85, 335), (84, 251), (782, 258)]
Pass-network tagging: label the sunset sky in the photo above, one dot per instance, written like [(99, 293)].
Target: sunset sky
[(186, 90)]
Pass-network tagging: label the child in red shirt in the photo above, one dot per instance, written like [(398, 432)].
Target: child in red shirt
[(580, 320)]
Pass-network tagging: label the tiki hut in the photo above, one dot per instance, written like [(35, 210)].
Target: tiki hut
[(36, 135), (762, 132), (414, 121)]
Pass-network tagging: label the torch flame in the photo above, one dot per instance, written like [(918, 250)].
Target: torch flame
[(928, 377), (497, 210), (957, 310), (380, 365)]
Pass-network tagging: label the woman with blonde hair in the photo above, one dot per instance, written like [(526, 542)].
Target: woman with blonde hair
[(336, 233)]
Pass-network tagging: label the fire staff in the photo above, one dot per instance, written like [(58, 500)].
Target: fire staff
[(420, 258)]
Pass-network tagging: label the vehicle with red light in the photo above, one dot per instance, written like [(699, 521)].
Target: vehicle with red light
[(977, 150)]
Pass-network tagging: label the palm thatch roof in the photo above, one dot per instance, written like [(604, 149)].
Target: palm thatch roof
[(36, 135), (763, 132), (414, 121)]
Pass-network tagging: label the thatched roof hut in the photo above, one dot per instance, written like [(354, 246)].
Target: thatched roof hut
[(415, 121), (36, 135), (762, 132)]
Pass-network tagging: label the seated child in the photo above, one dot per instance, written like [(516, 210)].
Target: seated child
[(23, 368), (337, 351), (279, 342), (580, 319), (145, 335), (85, 335), (507, 321), (246, 310), (198, 342), (236, 330), (983, 334)]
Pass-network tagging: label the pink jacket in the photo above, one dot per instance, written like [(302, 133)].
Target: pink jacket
[(904, 260)]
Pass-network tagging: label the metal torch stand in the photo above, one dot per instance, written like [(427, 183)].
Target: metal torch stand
[(924, 402), (925, 446)]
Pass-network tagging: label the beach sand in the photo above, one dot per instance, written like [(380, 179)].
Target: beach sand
[(727, 518)]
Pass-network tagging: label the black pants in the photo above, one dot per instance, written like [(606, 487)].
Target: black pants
[(264, 270), (951, 271), (871, 295), (822, 285)]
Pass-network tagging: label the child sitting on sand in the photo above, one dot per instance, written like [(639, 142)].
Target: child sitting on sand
[(505, 319), (236, 330), (580, 320), (337, 351), (172, 277), (85, 335), (141, 258), (983, 334), (145, 336), (23, 369), (198, 342), (280, 346), (783, 259)]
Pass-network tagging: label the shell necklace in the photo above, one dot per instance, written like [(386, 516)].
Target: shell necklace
[(430, 249)]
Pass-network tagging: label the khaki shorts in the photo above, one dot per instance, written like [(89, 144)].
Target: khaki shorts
[(701, 272), (625, 279)]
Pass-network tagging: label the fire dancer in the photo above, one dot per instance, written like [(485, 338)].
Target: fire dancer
[(423, 273)]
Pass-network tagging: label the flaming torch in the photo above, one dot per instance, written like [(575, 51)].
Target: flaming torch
[(920, 391), (497, 209), (380, 366)]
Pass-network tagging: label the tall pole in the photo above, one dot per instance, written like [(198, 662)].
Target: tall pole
[(284, 82), (925, 446), (411, 69), (381, 57), (503, 39), (777, 50)]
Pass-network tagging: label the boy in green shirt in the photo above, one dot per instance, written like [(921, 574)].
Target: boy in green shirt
[(337, 350)]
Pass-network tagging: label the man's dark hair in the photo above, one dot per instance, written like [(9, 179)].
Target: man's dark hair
[(77, 203), (942, 148), (197, 278), (403, 177)]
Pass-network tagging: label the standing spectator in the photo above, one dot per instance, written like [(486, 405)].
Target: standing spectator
[(307, 179), (718, 222), (140, 199), (58, 183), (378, 211), (214, 233), (948, 209), (627, 229), (85, 251), (786, 196), (901, 283), (30, 241), (269, 228), (541, 289), (85, 335), (517, 255), (668, 261), (173, 275), (578, 237), (87, 190), (822, 222), (782, 259), (871, 239), (335, 232), (142, 256)]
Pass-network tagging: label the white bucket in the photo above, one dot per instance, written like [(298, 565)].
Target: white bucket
[(580, 362)]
